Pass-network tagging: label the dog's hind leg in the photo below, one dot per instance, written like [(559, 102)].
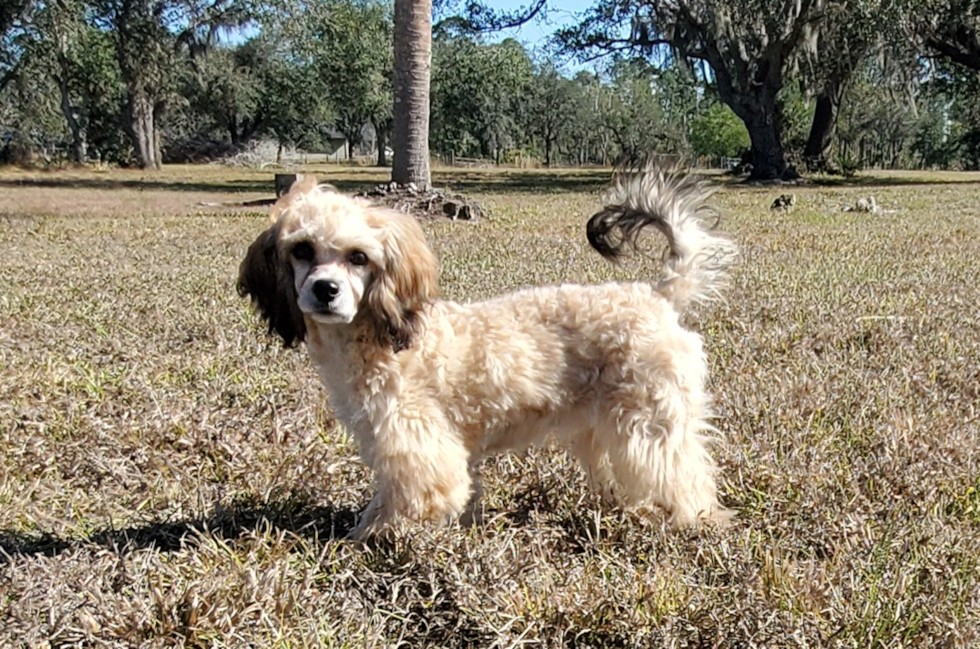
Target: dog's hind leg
[(589, 449), (473, 513), (665, 463)]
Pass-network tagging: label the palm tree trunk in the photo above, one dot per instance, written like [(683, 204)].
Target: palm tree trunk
[(413, 62)]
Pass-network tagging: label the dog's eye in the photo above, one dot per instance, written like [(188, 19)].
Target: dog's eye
[(303, 252), (358, 258)]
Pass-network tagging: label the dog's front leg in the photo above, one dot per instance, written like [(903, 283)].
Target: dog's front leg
[(421, 470)]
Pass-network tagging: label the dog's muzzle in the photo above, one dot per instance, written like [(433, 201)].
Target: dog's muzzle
[(325, 290), (325, 300)]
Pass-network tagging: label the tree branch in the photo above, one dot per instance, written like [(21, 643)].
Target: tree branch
[(478, 18), (963, 47)]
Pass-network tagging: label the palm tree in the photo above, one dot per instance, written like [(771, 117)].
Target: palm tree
[(413, 63)]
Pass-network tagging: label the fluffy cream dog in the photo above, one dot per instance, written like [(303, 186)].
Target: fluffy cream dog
[(430, 387)]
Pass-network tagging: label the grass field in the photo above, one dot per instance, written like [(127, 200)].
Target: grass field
[(171, 477)]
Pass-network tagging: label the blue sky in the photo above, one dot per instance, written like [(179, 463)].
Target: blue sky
[(557, 15), (534, 34)]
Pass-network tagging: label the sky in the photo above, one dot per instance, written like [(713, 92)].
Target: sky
[(558, 14), (535, 34)]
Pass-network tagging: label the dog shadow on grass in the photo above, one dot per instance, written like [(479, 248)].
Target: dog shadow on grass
[(226, 522)]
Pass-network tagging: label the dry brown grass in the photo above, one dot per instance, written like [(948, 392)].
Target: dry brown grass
[(170, 477)]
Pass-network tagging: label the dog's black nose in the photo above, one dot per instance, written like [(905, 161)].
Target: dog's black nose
[(325, 289)]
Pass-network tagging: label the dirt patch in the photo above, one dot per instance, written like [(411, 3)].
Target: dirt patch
[(431, 203)]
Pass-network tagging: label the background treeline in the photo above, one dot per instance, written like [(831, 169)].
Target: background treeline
[(152, 81)]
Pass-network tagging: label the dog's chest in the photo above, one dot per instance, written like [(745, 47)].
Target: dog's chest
[(358, 386)]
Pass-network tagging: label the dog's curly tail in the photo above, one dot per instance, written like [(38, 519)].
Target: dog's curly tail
[(673, 202)]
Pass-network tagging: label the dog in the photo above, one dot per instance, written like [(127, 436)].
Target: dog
[(429, 387), (784, 201)]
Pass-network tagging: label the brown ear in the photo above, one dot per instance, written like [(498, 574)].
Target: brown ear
[(408, 282), (268, 280)]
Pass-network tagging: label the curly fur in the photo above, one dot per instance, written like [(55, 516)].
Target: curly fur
[(430, 387)]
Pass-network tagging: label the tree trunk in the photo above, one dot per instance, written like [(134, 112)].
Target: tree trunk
[(233, 130), (352, 125), (78, 137), (142, 129), (413, 62), (381, 137), (249, 128), (159, 117), (768, 156), (822, 130)]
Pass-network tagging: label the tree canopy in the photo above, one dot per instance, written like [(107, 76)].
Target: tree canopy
[(829, 84)]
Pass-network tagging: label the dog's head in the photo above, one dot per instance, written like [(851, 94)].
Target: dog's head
[(332, 260)]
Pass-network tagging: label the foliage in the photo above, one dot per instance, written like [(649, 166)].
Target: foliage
[(114, 80), (293, 111), (17, 33), (948, 28), (550, 108), (477, 89), (224, 88), (349, 45), (633, 113), (150, 37), (718, 133), (795, 115), (751, 47)]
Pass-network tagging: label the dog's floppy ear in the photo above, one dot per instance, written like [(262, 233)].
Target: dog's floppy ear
[(409, 280), (268, 279)]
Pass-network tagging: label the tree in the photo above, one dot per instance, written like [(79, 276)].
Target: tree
[(16, 33), (225, 88), (550, 108), (350, 43), (476, 90), (633, 112), (949, 28), (677, 92), (62, 39), (292, 106), (66, 69), (149, 36), (874, 129), (97, 92), (588, 134), (948, 125), (718, 133), (751, 48), (29, 107), (852, 31), (413, 63)]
